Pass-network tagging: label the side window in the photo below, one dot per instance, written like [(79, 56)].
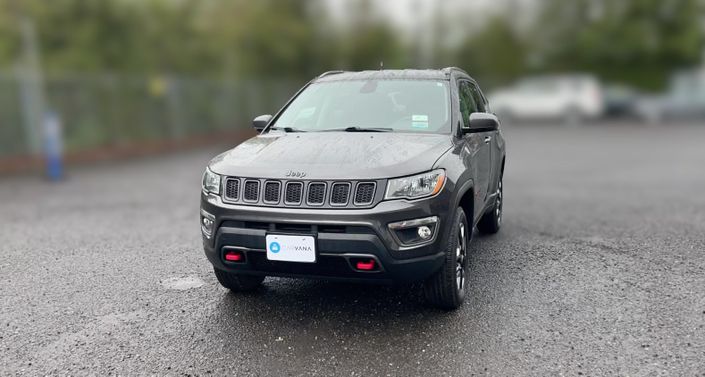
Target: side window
[(477, 96), (467, 103), (488, 107)]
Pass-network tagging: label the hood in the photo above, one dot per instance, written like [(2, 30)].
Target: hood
[(332, 155)]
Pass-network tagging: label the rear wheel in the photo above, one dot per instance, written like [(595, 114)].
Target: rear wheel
[(446, 289), (492, 220), (572, 116), (238, 282)]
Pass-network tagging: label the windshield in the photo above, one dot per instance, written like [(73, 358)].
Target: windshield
[(392, 105)]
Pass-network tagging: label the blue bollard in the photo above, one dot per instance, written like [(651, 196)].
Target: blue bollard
[(53, 146)]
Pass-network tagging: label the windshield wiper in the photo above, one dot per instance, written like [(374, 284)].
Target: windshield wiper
[(288, 129), (359, 129)]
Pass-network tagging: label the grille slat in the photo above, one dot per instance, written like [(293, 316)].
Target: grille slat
[(316, 193), (232, 189), (251, 192), (365, 193), (294, 191), (340, 193), (271, 192)]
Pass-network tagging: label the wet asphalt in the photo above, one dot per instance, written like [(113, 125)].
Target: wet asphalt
[(599, 270)]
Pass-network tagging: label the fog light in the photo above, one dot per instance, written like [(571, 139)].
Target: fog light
[(415, 232), (207, 223), (425, 232)]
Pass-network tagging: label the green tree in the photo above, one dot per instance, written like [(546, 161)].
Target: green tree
[(119, 36), (369, 41), (497, 54), (264, 37), (634, 41)]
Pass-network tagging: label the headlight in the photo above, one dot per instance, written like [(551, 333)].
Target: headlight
[(211, 182), (416, 186)]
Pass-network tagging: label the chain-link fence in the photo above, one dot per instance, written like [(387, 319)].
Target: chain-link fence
[(112, 110)]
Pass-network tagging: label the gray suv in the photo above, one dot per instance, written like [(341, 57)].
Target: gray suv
[(373, 176)]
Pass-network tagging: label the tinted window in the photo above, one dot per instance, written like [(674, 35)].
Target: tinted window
[(467, 103), (477, 96), (402, 105)]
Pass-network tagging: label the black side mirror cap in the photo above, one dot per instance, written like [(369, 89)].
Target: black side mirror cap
[(261, 122), (482, 122)]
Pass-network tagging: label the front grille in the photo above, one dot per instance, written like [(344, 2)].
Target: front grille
[(294, 192), (232, 188), (271, 192), (251, 192), (316, 193), (307, 228), (365, 193), (339, 194)]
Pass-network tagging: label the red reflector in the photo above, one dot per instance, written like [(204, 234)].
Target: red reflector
[(366, 266), (233, 256)]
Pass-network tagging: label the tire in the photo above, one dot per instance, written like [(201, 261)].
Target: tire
[(573, 117), (446, 288), (237, 282), (491, 221)]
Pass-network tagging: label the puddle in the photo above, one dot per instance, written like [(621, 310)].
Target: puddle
[(182, 284)]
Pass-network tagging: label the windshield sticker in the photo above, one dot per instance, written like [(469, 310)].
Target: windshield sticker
[(419, 121)]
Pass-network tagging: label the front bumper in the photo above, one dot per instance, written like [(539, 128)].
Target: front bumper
[(341, 235)]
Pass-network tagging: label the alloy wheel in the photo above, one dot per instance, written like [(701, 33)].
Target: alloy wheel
[(498, 207), (460, 258)]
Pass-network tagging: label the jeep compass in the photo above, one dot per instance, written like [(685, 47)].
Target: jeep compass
[(372, 176)]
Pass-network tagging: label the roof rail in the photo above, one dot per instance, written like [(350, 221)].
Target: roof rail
[(324, 74), (448, 69)]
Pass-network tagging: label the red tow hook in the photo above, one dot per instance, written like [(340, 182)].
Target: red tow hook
[(368, 265), (234, 256)]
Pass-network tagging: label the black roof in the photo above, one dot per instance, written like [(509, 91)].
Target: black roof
[(389, 74)]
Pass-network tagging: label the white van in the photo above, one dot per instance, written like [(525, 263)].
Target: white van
[(571, 98)]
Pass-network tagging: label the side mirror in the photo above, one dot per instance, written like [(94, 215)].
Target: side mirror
[(261, 122), (481, 122)]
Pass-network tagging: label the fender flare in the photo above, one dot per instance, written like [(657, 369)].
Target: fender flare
[(461, 191)]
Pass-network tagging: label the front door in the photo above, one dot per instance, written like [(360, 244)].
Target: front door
[(477, 153)]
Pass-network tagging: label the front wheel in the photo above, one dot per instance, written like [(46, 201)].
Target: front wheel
[(446, 289)]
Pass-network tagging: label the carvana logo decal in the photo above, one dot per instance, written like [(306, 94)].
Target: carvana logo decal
[(274, 247)]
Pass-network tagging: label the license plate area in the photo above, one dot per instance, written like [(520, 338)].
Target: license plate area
[(291, 248)]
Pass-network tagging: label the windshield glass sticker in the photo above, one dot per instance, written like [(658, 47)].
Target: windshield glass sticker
[(419, 121)]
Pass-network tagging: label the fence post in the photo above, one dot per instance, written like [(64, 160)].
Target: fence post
[(31, 86), (176, 121)]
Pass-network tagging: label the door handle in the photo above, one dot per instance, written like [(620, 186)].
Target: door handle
[(488, 139)]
